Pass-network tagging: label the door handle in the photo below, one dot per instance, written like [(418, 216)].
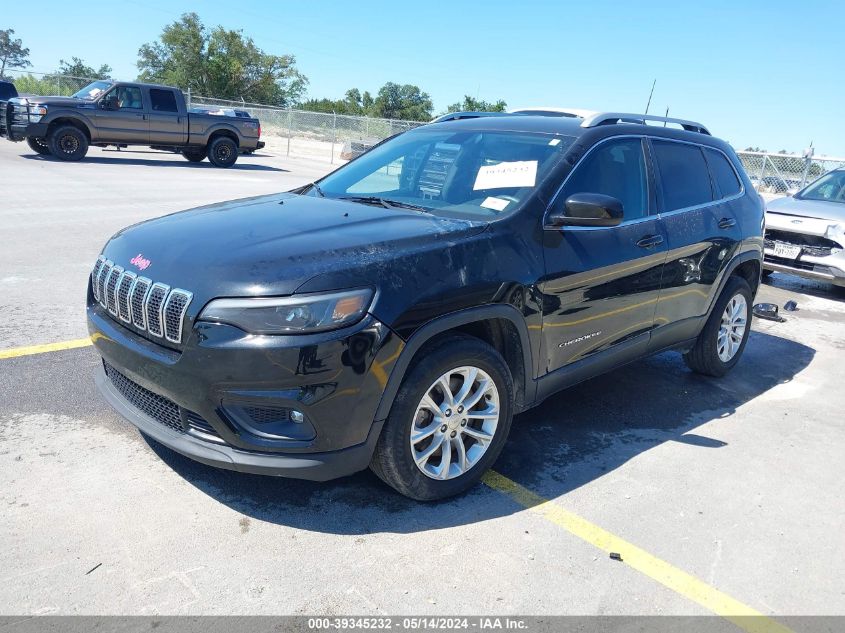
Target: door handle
[(726, 223), (650, 241)]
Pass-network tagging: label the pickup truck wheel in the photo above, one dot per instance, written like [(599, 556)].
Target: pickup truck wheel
[(449, 421), (222, 152), (68, 143), (194, 155), (38, 145), (722, 341)]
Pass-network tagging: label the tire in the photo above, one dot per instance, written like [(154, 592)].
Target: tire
[(194, 155), (68, 143), (38, 145), (393, 461), (707, 356), (222, 152)]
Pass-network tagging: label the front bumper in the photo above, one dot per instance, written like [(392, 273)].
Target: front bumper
[(813, 256), (335, 379)]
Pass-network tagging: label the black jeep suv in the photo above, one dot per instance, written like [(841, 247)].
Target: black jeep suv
[(397, 313)]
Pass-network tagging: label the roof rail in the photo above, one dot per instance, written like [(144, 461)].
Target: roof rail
[(605, 118), (456, 116)]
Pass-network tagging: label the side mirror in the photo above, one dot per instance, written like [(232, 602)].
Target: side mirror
[(587, 209), (109, 103)]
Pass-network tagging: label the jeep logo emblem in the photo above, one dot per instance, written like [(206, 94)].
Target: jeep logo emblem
[(140, 262)]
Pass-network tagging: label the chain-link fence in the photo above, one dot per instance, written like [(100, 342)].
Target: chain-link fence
[(336, 138), (305, 134), (785, 173), (52, 84)]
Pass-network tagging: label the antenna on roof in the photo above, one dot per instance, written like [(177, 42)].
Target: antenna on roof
[(649, 96), (666, 115)]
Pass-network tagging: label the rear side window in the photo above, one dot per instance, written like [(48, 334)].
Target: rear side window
[(723, 174), (163, 100), (684, 177), (617, 169)]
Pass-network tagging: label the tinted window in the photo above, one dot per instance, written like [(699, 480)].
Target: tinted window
[(615, 168), (723, 173), (683, 175), (163, 100)]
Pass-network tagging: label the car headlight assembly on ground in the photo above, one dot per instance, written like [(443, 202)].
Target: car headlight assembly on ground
[(301, 314)]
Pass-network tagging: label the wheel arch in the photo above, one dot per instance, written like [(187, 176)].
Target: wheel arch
[(500, 325), (224, 131), (69, 120), (747, 265)]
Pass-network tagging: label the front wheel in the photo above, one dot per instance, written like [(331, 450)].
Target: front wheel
[(722, 341), (449, 422), (222, 152), (68, 143), (38, 145)]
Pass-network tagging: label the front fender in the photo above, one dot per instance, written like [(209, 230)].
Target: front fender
[(449, 322)]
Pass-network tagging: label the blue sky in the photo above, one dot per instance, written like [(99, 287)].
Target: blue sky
[(770, 74)]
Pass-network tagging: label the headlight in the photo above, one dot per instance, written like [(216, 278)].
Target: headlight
[(297, 314)]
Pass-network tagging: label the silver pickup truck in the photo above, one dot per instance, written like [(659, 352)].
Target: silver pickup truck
[(120, 113)]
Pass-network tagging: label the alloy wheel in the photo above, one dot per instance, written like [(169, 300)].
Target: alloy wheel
[(732, 328), (455, 423), (68, 143)]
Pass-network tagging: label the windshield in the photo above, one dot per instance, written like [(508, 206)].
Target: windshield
[(829, 188), (476, 174), (92, 90)]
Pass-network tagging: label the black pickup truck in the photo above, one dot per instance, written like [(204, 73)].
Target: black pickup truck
[(119, 113)]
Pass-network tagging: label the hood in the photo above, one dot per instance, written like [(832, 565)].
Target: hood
[(271, 245), (833, 212), (63, 102)]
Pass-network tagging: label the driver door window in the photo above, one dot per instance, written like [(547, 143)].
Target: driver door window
[(617, 169), (129, 98)]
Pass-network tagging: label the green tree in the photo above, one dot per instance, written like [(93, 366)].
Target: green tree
[(13, 54), (220, 63), (77, 68), (469, 104), (402, 102)]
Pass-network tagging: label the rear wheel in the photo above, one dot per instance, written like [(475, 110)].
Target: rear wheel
[(449, 422), (194, 155), (68, 143), (222, 152), (722, 341), (38, 145)]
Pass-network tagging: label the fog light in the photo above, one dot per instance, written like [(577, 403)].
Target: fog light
[(297, 416)]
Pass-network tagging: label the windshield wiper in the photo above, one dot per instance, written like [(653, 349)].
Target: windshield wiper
[(316, 188), (386, 203)]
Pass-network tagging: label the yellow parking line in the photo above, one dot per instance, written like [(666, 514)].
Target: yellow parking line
[(15, 352), (666, 574)]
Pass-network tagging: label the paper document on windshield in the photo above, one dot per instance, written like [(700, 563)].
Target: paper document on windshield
[(521, 173)]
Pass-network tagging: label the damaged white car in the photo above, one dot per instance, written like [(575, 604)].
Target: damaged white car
[(805, 233)]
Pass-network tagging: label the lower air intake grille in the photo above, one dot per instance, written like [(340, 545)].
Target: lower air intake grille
[(161, 409), (158, 407)]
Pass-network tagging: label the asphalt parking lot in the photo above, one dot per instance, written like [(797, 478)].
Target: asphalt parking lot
[(720, 494)]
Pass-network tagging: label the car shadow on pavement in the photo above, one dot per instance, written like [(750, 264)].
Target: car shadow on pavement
[(571, 439), (153, 162)]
